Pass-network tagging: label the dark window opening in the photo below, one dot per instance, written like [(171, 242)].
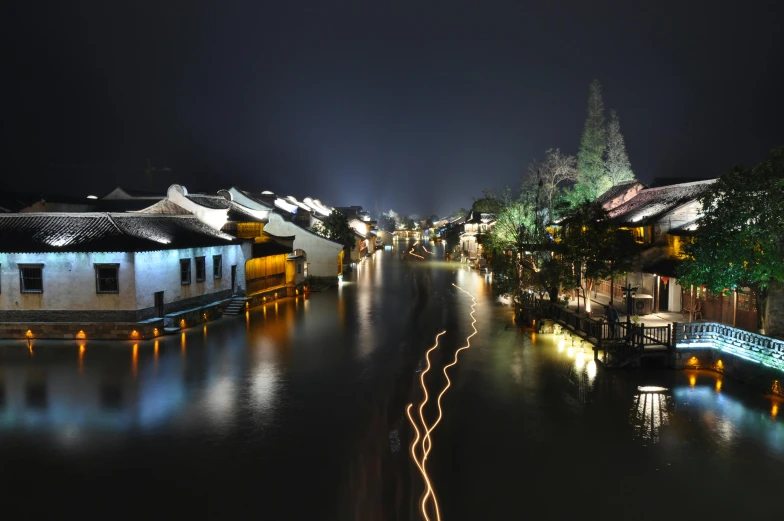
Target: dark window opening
[(185, 271), (31, 279), (106, 278), (200, 269), (217, 266)]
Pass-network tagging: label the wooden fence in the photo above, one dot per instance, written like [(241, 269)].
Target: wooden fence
[(633, 338)]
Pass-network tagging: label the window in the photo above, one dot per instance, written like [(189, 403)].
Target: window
[(31, 279), (106, 280), (299, 268), (201, 270), (217, 266), (185, 271)]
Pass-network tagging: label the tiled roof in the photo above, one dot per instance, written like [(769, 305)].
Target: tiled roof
[(83, 232), (209, 201), (651, 203), (241, 213), (164, 207), (615, 191), (268, 201)]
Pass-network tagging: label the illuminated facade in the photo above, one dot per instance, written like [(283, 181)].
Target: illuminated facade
[(323, 257), (100, 267), (476, 225), (660, 220)]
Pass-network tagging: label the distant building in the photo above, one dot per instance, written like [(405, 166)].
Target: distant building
[(321, 257), (474, 228)]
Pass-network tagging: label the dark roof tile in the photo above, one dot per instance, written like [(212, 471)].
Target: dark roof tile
[(63, 232)]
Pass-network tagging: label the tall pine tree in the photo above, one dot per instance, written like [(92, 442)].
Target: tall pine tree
[(592, 179), (619, 169)]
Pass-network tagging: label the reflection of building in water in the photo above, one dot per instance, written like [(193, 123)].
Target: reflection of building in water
[(650, 412)]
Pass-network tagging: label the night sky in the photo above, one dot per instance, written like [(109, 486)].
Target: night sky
[(414, 106)]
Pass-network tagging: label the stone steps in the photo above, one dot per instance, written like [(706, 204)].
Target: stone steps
[(236, 306)]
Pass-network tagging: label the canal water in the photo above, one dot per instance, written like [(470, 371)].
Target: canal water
[(297, 410)]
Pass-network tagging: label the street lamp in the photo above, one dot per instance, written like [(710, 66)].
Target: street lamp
[(629, 293)]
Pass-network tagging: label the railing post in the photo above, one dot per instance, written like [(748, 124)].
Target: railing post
[(641, 337)]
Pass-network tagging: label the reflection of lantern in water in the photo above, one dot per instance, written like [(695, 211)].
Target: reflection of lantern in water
[(649, 412), (774, 411), (692, 380)]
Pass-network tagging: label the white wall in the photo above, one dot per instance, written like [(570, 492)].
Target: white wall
[(674, 303), (68, 282), (322, 253), (160, 271)]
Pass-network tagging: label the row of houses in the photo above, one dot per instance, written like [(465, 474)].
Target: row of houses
[(662, 219), (156, 262)]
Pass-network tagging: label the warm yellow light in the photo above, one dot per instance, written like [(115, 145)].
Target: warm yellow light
[(425, 445), (693, 361), (774, 410), (29, 334), (155, 331), (182, 323), (718, 385), (135, 359), (720, 365), (81, 335), (692, 380), (134, 334)]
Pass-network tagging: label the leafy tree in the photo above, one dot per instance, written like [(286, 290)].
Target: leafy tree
[(491, 202), (556, 169), (597, 247), (740, 239), (618, 167), (386, 221), (335, 227), (511, 241), (592, 180), (460, 212)]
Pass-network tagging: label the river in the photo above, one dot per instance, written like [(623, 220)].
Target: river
[(297, 410)]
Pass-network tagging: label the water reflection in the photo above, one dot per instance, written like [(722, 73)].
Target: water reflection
[(307, 396), (650, 413), (727, 417)]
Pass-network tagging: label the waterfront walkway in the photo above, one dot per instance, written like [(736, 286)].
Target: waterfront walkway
[(600, 301)]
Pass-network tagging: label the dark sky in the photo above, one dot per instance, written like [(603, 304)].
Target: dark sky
[(414, 106)]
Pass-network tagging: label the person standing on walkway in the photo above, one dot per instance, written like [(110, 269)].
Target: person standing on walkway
[(611, 314)]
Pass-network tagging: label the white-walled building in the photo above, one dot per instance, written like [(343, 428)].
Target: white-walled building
[(657, 218), (324, 258), (104, 267)]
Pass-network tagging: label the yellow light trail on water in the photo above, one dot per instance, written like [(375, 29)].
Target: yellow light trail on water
[(426, 440), (414, 254), (448, 381), (420, 464)]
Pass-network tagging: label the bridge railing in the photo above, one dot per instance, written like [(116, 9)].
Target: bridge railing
[(711, 335), (638, 336)]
